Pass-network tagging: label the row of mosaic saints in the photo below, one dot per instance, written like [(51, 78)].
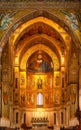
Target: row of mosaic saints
[(40, 92)]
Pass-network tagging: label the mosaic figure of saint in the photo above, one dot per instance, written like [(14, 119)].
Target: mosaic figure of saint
[(39, 83)]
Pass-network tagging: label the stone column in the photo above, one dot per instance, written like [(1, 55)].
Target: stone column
[(80, 79), (79, 89), (0, 83), (79, 114)]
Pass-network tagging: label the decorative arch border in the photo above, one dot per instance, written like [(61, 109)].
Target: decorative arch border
[(49, 39), (33, 15), (35, 48), (17, 33)]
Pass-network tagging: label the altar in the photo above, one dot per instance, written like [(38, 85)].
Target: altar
[(39, 122)]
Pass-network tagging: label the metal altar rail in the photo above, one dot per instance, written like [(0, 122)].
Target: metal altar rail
[(39, 121)]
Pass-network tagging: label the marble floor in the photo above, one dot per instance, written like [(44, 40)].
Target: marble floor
[(41, 128)]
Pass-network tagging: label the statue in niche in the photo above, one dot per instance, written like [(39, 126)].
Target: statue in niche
[(16, 97), (5, 97), (22, 80), (51, 83), (63, 97), (56, 98), (22, 98), (28, 98), (73, 96), (39, 83), (32, 99), (47, 99), (57, 80), (51, 98)]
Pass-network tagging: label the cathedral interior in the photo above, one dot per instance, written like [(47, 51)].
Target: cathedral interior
[(40, 64)]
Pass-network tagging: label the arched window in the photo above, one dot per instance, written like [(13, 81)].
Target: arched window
[(16, 117), (39, 99), (24, 117), (55, 118), (61, 117)]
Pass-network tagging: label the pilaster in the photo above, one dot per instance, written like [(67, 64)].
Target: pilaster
[(0, 83), (79, 110)]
